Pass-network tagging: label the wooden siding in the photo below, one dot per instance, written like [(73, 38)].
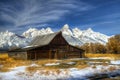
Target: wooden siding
[(18, 55), (58, 48), (39, 54), (58, 40)]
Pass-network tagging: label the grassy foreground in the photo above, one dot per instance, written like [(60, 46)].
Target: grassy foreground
[(107, 55), (6, 63)]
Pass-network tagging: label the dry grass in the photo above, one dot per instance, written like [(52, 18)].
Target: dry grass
[(8, 63), (3, 56), (94, 66), (46, 71), (82, 66), (45, 61), (63, 65), (82, 63), (112, 68), (107, 55), (32, 68)]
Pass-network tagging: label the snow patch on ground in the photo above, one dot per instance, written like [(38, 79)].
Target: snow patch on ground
[(71, 63), (115, 62), (52, 64), (12, 74), (34, 65), (83, 74), (101, 58), (97, 62), (19, 73)]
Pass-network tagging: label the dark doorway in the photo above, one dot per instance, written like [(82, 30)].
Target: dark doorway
[(53, 54), (32, 55)]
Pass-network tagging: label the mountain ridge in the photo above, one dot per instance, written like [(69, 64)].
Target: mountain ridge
[(11, 40)]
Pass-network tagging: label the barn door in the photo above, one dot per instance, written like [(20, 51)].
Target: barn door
[(33, 55), (53, 54), (81, 55)]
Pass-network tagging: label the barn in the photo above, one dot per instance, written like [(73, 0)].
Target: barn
[(51, 46)]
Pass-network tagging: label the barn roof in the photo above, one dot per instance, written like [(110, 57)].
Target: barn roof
[(43, 40)]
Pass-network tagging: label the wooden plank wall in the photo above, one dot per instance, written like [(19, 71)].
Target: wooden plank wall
[(57, 48)]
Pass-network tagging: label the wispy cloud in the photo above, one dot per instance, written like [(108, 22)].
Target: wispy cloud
[(108, 17), (29, 12), (99, 23)]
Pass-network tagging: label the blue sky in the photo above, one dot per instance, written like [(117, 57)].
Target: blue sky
[(101, 15)]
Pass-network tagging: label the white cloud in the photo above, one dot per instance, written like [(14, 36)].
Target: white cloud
[(40, 11)]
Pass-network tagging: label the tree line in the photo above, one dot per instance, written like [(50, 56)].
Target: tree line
[(112, 46)]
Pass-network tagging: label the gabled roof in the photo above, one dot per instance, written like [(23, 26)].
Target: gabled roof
[(43, 40)]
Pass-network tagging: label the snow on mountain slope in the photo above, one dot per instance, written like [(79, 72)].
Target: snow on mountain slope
[(66, 30), (90, 36), (11, 40), (72, 40), (32, 32), (76, 32), (74, 36), (85, 36)]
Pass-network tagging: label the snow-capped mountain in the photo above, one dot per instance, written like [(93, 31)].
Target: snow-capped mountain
[(75, 36), (85, 36), (66, 30), (10, 40), (90, 36), (33, 32)]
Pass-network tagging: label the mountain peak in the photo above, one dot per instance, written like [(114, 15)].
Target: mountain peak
[(31, 29), (66, 26), (33, 32), (48, 29), (66, 30), (90, 30), (77, 29)]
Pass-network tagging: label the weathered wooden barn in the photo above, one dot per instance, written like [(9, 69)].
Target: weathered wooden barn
[(51, 46)]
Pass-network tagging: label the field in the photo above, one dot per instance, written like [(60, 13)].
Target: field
[(99, 55), (91, 67)]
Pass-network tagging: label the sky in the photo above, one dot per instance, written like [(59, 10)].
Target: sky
[(100, 15)]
